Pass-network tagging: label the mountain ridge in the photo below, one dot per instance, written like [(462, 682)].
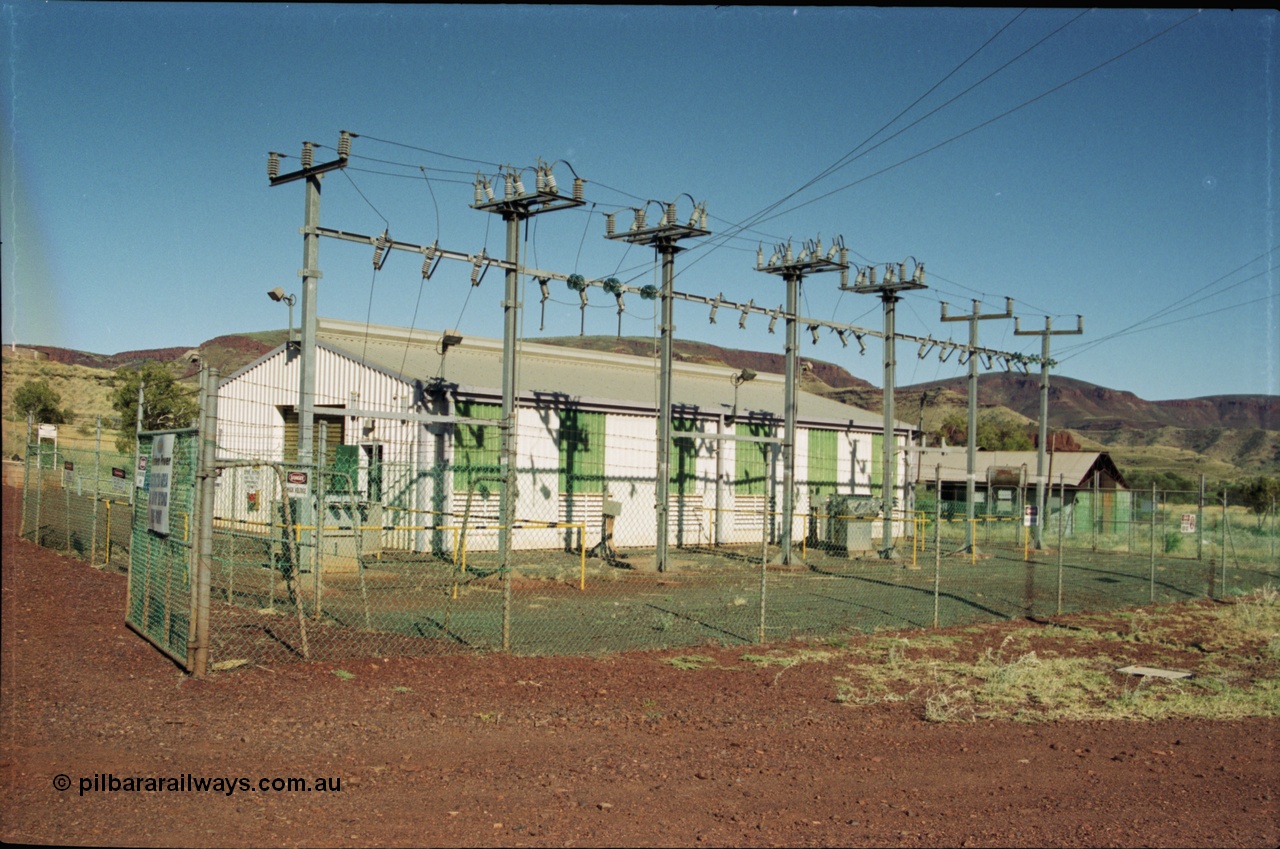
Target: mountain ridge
[(1240, 431)]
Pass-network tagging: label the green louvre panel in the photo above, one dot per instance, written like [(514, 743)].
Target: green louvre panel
[(751, 460), (477, 450), (344, 474), (581, 443), (822, 463)]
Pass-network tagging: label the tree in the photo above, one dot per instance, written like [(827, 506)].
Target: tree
[(995, 432), (1260, 495), (37, 398), (999, 433), (166, 404), (953, 429)]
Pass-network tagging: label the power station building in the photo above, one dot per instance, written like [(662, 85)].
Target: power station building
[(586, 435)]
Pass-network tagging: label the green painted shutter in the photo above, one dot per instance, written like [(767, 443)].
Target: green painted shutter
[(822, 463), (751, 460), (581, 443), (477, 449)]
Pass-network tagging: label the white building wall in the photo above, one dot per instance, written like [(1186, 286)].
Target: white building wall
[(251, 426)]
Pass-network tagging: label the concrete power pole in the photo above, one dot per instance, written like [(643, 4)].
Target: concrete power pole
[(516, 205), (972, 440), (895, 282), (310, 274), (792, 268), (663, 237), (1045, 362)]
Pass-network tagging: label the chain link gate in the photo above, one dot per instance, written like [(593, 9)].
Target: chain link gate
[(160, 604)]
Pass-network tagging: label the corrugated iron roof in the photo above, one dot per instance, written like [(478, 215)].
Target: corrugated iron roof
[(593, 378), (1074, 467)]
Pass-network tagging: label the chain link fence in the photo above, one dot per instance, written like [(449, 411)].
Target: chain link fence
[(80, 502), (361, 557)]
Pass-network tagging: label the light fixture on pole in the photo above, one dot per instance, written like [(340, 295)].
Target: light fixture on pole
[(450, 339), (277, 294), (737, 380)]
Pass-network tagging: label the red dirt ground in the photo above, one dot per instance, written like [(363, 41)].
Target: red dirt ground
[(625, 750)]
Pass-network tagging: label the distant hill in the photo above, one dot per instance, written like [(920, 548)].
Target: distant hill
[(1079, 405), (225, 353), (1224, 436), (1240, 430)]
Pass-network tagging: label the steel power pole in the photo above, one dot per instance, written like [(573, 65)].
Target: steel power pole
[(516, 205), (972, 439), (792, 268), (1045, 362), (663, 237), (895, 282)]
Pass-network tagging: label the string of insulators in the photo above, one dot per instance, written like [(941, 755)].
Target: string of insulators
[(813, 330), (273, 165), (380, 250), (428, 264), (742, 320), (578, 188), (344, 144), (773, 318), (715, 306), (610, 224), (308, 154), (478, 267)]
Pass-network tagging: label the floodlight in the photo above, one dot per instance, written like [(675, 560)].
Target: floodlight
[(450, 339)]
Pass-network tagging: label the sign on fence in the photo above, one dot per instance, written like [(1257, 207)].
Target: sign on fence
[(161, 471), (1029, 515), (140, 474), (1188, 523), (296, 482)]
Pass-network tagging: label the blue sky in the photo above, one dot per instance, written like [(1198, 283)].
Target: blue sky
[(1131, 179)]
